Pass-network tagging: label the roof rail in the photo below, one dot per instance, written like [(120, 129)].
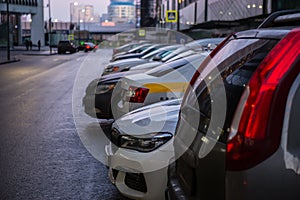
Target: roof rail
[(271, 20)]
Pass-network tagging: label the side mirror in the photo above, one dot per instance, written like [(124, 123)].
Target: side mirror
[(156, 58)]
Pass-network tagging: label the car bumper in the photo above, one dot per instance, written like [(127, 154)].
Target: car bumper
[(139, 175)]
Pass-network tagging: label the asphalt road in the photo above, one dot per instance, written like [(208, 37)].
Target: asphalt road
[(41, 154)]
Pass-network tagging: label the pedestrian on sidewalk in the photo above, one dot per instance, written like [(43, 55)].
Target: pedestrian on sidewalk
[(30, 44), (27, 44), (39, 45)]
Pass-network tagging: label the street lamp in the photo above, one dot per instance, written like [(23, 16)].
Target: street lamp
[(50, 26), (79, 21), (83, 12), (178, 14), (7, 19), (72, 5)]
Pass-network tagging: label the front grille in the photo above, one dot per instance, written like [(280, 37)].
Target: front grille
[(136, 181)]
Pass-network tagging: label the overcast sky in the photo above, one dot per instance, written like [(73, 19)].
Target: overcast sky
[(60, 9)]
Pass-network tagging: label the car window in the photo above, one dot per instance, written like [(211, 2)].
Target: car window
[(236, 63), (176, 52), (151, 54), (64, 42), (139, 48)]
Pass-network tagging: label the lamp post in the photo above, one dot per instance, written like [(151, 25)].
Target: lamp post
[(83, 13), (50, 26), (79, 21), (178, 14), (8, 40), (72, 5)]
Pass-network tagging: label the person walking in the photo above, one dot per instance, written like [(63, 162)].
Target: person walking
[(27, 44), (30, 44), (39, 45)]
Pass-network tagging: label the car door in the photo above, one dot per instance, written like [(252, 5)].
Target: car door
[(206, 114)]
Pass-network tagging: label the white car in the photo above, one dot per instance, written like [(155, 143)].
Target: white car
[(141, 148), (168, 81)]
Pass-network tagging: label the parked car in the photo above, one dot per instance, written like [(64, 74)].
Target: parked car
[(140, 149), (127, 47), (168, 81), (97, 99), (137, 49), (126, 64), (204, 44), (141, 54), (238, 131), (107, 85), (65, 46)]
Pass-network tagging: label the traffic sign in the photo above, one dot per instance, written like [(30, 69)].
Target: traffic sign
[(142, 33), (171, 16), (71, 37)]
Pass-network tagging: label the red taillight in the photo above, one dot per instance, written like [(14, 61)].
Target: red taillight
[(137, 94), (88, 47), (259, 129)]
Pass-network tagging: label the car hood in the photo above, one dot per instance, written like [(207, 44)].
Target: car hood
[(159, 117)]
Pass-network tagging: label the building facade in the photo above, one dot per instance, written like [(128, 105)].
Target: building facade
[(17, 8), (82, 14), (122, 12), (195, 12)]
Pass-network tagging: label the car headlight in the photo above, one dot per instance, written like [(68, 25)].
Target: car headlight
[(104, 88), (145, 143)]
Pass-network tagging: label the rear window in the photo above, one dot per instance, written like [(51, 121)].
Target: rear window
[(236, 63), (64, 42)]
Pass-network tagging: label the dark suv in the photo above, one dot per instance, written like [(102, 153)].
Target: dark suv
[(238, 135), (65, 46)]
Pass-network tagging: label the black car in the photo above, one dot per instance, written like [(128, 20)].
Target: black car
[(98, 94), (65, 46), (238, 133), (86, 46)]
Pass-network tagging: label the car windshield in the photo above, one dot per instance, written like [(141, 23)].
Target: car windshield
[(139, 48), (89, 43), (159, 52), (176, 52)]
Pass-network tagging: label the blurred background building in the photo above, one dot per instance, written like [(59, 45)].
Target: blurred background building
[(220, 16), (122, 12)]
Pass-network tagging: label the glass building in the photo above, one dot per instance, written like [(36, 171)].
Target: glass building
[(194, 12)]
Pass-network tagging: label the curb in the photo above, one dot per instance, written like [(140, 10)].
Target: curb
[(39, 54), (9, 61)]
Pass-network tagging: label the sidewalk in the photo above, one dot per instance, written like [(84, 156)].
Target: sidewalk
[(17, 51)]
